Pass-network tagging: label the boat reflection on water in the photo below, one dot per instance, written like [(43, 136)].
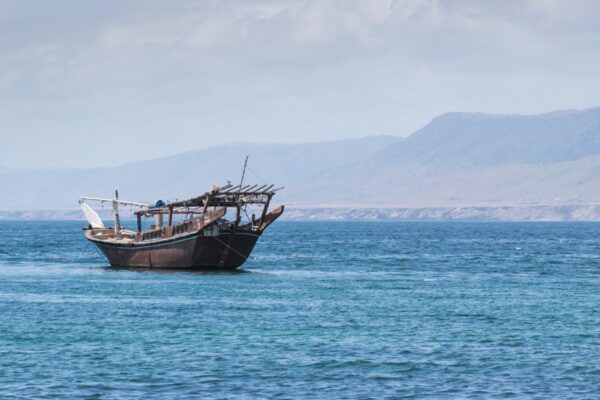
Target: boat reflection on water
[(170, 271)]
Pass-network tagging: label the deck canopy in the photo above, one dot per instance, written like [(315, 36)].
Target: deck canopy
[(225, 196)]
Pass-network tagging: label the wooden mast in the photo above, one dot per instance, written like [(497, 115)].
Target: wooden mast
[(170, 214), (115, 205), (238, 206)]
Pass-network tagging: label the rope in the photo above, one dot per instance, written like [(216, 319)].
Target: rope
[(230, 248), (246, 213), (257, 175)]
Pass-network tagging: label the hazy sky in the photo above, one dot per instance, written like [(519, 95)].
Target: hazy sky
[(86, 83)]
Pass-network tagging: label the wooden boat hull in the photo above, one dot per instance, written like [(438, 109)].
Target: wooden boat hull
[(195, 251), (209, 243)]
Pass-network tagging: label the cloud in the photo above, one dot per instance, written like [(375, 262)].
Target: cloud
[(186, 74)]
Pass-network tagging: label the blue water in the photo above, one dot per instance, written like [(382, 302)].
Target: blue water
[(322, 310)]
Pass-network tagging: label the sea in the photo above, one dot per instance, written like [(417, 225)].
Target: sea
[(322, 310)]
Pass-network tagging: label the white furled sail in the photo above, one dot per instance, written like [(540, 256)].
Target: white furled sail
[(92, 216)]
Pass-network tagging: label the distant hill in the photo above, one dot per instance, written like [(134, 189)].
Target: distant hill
[(485, 140), (186, 174), (479, 159), (458, 159)]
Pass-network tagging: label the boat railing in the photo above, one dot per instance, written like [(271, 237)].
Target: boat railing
[(183, 227), (177, 229), (153, 234)]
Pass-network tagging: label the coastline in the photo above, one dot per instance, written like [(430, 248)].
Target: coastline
[(560, 212)]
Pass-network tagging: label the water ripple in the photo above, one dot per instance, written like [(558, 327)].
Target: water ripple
[(324, 310)]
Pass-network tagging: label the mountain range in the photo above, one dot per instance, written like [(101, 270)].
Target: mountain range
[(457, 160)]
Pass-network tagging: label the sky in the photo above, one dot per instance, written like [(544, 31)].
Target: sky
[(101, 83)]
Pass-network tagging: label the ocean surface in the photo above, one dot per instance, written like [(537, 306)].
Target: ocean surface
[(322, 310)]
